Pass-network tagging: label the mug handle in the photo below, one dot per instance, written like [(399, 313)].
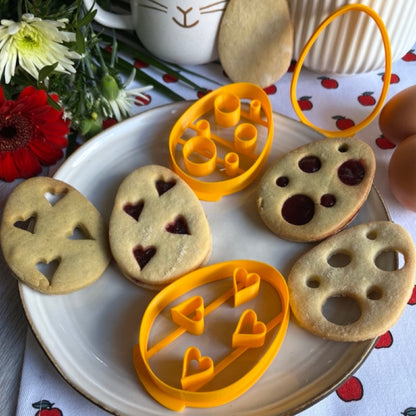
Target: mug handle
[(113, 20)]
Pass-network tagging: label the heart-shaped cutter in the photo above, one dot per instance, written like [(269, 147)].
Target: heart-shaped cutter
[(177, 399)]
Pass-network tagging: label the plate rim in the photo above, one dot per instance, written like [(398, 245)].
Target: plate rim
[(368, 345)]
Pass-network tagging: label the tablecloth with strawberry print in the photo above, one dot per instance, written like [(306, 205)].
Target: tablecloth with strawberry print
[(384, 384)]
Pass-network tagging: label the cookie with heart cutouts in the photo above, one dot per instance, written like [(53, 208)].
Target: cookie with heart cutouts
[(52, 237), (354, 285), (316, 189), (158, 229)]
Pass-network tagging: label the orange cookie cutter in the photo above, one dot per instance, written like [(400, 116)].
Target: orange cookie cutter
[(386, 78), (245, 278), (195, 142)]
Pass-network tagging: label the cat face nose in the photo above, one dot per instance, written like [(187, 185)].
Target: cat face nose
[(183, 20)]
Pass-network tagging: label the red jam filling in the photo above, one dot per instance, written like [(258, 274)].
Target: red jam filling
[(299, 209), (351, 172)]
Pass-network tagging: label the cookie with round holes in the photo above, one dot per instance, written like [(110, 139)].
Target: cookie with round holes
[(52, 237), (316, 189), (354, 285), (158, 229)]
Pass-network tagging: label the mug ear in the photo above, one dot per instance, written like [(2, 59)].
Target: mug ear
[(255, 40)]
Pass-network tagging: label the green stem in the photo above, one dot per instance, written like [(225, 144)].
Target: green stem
[(136, 54), (141, 76)]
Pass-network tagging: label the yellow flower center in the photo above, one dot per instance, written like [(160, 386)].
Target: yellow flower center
[(28, 38)]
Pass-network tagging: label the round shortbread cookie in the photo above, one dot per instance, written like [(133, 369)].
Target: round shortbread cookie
[(316, 189), (158, 228), (255, 40), (359, 265), (52, 237)]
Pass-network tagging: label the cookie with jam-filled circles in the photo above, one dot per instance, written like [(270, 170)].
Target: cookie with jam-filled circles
[(158, 229), (316, 189)]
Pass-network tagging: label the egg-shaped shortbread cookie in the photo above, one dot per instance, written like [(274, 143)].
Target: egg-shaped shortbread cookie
[(354, 285), (316, 189), (158, 228), (52, 237)]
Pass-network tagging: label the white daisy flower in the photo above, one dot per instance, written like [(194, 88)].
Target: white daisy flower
[(120, 100), (34, 43)]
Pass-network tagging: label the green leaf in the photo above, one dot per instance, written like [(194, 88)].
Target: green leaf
[(79, 42), (88, 18), (46, 71)]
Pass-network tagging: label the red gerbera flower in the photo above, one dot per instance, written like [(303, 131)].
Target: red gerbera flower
[(32, 134)]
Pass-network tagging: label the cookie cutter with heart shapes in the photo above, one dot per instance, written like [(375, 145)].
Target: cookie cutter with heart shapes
[(233, 293), (221, 142)]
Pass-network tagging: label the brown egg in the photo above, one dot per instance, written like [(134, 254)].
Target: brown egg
[(402, 172), (398, 117)]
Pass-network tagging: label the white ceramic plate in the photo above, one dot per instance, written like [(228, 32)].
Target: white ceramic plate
[(89, 334)]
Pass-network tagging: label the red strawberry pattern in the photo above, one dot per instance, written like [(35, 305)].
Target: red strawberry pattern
[(394, 78), (410, 56), (270, 90), (46, 408), (169, 78), (384, 143), (305, 103), (343, 122), (329, 83), (140, 64), (412, 300), (351, 390), (366, 98), (385, 340), (145, 99)]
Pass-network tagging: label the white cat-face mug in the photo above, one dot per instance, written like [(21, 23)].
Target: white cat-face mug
[(183, 32)]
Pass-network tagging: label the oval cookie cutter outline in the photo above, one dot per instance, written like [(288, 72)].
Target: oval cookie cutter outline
[(386, 78), (228, 111), (246, 275)]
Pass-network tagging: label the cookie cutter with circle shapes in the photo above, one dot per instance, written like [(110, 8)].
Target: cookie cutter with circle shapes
[(386, 78), (244, 155), (243, 280)]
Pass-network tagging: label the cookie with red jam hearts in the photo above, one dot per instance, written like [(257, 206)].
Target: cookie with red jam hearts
[(316, 189), (354, 285), (52, 237), (158, 229)]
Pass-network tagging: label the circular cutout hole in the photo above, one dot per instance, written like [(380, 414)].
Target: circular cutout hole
[(341, 310), (374, 293), (339, 259), (351, 172), (372, 235), (309, 164), (389, 260), (313, 282), (299, 209), (328, 200), (282, 181), (343, 148)]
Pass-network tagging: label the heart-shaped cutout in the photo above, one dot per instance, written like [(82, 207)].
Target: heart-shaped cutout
[(178, 226), (194, 377), (134, 210), (245, 285), (163, 186), (27, 224), (143, 255), (250, 332), (190, 315), (53, 198), (48, 269)]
